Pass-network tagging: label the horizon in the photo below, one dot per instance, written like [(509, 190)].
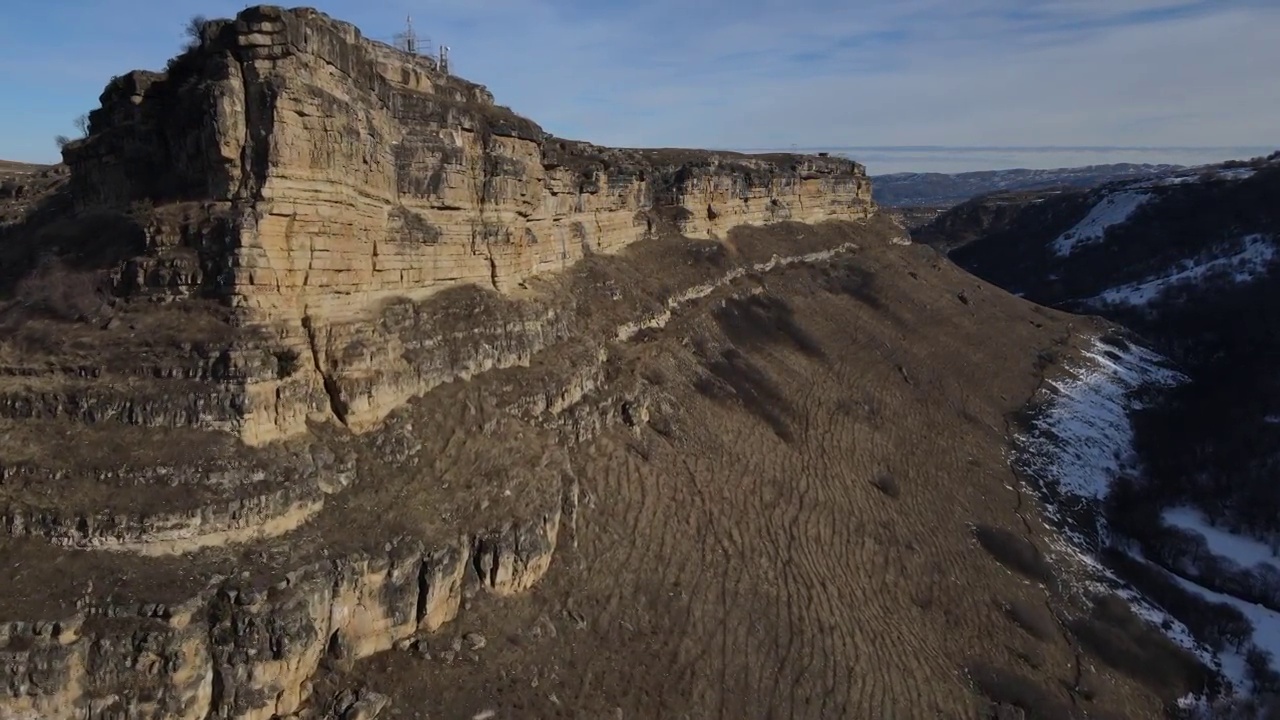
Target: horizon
[(902, 76), (888, 160), (955, 159)]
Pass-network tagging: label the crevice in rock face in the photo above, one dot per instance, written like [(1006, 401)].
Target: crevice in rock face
[(337, 405), (486, 569), (493, 270), (259, 119), (217, 684), (424, 588)]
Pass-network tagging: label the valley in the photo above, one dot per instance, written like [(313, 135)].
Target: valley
[(1169, 490)]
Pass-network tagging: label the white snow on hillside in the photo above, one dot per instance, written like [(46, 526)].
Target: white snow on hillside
[(1250, 261), (1266, 629), (1193, 175), (1113, 209), (1083, 438), (1080, 442), (1243, 551), (1166, 182), (1237, 173)]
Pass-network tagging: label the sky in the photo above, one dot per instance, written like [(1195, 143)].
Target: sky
[(755, 74)]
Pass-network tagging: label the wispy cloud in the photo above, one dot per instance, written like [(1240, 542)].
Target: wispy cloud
[(756, 73)]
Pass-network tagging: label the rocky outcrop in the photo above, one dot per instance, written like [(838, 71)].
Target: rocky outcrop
[(152, 608), (339, 319), (246, 648), (160, 573), (306, 176)]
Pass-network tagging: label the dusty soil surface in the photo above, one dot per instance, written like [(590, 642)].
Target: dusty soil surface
[(793, 533)]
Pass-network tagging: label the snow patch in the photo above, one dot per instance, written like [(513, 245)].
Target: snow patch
[(1074, 448), (1246, 264), (1243, 551), (1237, 173), (1194, 175), (1266, 629), (1082, 439), (1078, 444), (1113, 209), (1102, 580)]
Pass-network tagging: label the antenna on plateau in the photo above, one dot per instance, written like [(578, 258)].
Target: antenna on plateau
[(408, 40), (444, 59)]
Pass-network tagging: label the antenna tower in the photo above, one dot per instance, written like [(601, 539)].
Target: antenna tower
[(408, 40)]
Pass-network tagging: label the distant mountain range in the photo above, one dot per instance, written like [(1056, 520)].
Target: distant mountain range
[(940, 189)]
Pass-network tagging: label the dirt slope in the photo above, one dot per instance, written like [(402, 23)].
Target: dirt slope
[(792, 533)]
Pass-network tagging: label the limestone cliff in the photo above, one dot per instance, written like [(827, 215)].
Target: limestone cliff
[(291, 226), (306, 175)]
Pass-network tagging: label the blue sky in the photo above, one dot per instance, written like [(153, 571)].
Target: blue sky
[(751, 73)]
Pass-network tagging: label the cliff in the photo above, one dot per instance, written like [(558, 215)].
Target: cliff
[(318, 356), (290, 226), (306, 176)]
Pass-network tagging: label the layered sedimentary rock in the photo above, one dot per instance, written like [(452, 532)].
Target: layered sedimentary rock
[(306, 175), (299, 226), (166, 573)]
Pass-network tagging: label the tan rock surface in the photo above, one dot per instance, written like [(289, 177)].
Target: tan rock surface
[(335, 174)]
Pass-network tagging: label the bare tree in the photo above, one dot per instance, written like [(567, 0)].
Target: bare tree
[(194, 29), (82, 125)]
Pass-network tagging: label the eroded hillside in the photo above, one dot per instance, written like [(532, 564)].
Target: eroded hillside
[(329, 388), (1188, 504)]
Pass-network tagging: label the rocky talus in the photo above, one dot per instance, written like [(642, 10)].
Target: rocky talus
[(292, 363)]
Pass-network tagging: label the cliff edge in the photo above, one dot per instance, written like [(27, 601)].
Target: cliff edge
[(304, 176)]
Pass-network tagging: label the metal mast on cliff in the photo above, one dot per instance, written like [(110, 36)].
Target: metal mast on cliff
[(408, 40)]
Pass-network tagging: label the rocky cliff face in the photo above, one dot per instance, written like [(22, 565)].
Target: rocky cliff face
[(298, 229), (307, 176)]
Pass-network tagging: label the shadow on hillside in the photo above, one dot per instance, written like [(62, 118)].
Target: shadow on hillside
[(56, 262)]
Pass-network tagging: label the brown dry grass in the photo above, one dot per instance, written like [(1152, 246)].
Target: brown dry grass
[(792, 534), (10, 167)]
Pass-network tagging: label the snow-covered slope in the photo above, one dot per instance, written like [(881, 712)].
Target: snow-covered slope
[(1082, 438), (940, 189), (1249, 260), (1112, 209), (1072, 452), (1171, 498)]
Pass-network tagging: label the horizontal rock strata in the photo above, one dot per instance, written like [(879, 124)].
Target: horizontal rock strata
[(172, 572), (293, 354), (306, 176)]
